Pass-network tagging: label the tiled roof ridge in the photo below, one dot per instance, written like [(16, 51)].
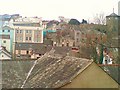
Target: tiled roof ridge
[(29, 73), (75, 75), (5, 51), (51, 68)]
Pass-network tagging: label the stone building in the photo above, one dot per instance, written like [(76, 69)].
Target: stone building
[(113, 28)]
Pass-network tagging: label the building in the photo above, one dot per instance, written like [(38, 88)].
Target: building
[(27, 30), (28, 34), (4, 54), (113, 28), (55, 71), (6, 32), (5, 41), (30, 50), (28, 22), (119, 8)]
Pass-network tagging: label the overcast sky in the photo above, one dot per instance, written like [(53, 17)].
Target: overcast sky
[(51, 9)]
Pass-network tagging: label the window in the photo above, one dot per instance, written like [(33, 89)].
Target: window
[(20, 38), (30, 31), (26, 38), (77, 40), (4, 41), (27, 52), (17, 31), (3, 30), (29, 38), (82, 33), (20, 31), (8, 30), (67, 44), (26, 31), (19, 45), (77, 33)]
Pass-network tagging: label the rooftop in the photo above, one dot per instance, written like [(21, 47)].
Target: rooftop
[(49, 71), (27, 28), (113, 15)]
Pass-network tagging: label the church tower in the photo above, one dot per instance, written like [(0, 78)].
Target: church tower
[(113, 28)]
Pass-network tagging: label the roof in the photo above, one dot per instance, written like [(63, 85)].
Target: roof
[(3, 49), (4, 36), (49, 71), (14, 72), (40, 48), (113, 15), (7, 27), (62, 50), (36, 47), (55, 72), (27, 28)]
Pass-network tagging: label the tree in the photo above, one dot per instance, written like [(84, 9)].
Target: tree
[(84, 21), (100, 19), (74, 22)]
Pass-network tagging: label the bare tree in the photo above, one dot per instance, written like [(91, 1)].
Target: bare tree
[(100, 19)]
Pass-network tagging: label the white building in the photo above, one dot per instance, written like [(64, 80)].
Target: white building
[(28, 30), (5, 41), (28, 21), (4, 54), (28, 34)]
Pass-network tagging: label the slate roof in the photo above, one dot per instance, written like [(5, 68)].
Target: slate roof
[(41, 48), (54, 73), (50, 71), (113, 15), (14, 73), (36, 47)]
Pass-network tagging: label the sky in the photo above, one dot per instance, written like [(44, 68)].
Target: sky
[(52, 9)]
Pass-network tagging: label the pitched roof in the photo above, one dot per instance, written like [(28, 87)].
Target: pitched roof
[(36, 47), (3, 49), (7, 27), (14, 73), (113, 15), (49, 71), (40, 48), (52, 72)]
